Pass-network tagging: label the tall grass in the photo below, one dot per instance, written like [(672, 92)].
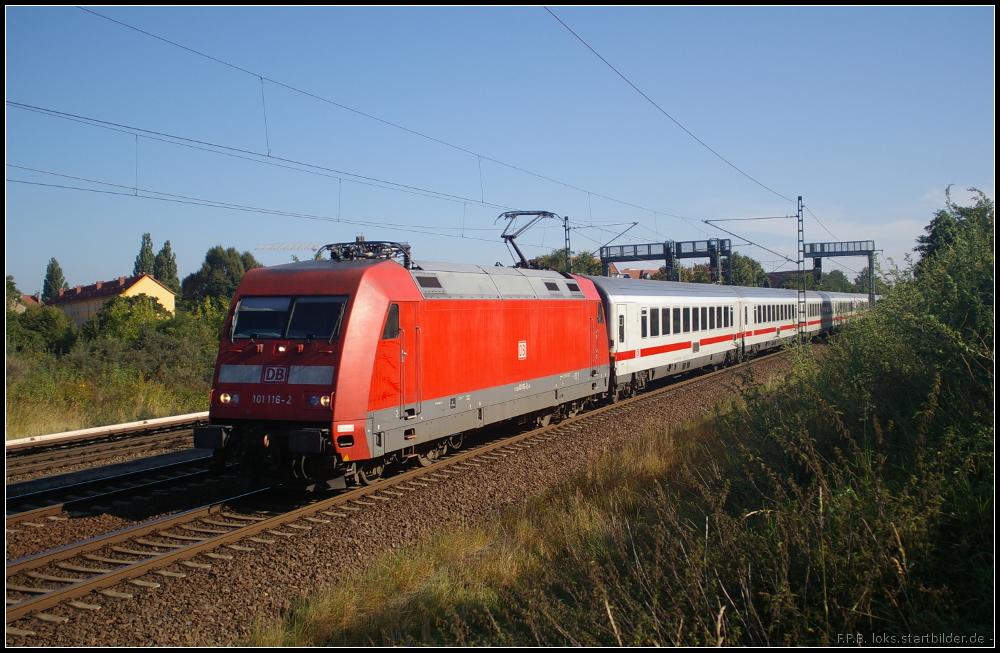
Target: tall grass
[(105, 382)]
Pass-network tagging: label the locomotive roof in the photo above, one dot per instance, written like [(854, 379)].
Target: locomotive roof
[(461, 281)]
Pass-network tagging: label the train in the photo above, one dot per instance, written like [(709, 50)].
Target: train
[(330, 370)]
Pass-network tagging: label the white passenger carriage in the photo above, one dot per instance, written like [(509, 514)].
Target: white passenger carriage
[(661, 328)]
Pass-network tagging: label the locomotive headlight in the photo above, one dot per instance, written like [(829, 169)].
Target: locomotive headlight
[(226, 398), (317, 401)]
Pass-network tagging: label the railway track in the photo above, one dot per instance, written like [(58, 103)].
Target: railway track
[(61, 451), (90, 495), (191, 540)]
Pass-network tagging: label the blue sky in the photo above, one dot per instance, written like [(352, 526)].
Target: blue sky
[(868, 113)]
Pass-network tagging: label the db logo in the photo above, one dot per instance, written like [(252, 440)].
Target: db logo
[(275, 374), (522, 350)]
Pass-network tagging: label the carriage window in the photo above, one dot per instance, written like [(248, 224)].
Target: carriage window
[(644, 318), (711, 318), (725, 316), (621, 328), (677, 320), (718, 316), (687, 320), (654, 322), (391, 329), (665, 314), (695, 323), (704, 318)]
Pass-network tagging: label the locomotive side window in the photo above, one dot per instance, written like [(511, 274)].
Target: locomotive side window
[(391, 330), (316, 317), (677, 320), (261, 317), (654, 322), (600, 314)]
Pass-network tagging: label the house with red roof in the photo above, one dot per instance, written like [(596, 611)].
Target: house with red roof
[(83, 302)]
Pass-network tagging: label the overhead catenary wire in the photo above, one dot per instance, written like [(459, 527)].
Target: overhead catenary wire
[(820, 223), (660, 109), (380, 120), (215, 204), (256, 157)]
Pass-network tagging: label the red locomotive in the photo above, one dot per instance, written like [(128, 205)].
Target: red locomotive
[(330, 369)]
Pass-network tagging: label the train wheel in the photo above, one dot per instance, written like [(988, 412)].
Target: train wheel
[(371, 473), (431, 456)]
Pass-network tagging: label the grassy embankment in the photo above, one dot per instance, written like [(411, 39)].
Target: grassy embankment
[(164, 368), (856, 496)]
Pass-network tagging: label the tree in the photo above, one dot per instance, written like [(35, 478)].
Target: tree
[(836, 281), (698, 273), (747, 271), (219, 275), (123, 318), (145, 262), (165, 268), (40, 328), (583, 262), (861, 282), (13, 294), (948, 225), (54, 281)]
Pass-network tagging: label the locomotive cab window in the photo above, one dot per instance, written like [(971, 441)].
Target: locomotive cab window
[(316, 316)]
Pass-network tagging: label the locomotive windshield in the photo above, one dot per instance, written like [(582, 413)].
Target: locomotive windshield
[(289, 317)]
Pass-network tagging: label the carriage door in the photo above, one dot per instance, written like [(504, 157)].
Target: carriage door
[(621, 328), (593, 347), (409, 361)]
